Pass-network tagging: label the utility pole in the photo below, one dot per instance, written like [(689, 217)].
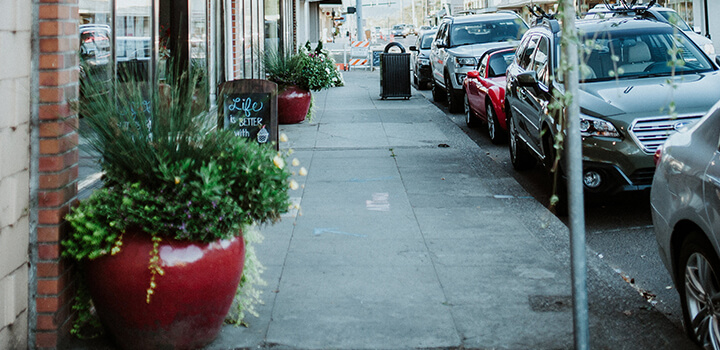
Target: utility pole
[(573, 152), (358, 15), (414, 19)]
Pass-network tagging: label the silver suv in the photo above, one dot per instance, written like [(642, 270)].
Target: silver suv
[(459, 43)]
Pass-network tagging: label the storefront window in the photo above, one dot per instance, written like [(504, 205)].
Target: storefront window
[(272, 25), (96, 39), (133, 26), (131, 41), (198, 34)]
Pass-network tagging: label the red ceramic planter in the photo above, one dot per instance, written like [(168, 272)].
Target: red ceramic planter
[(191, 299), (293, 105)]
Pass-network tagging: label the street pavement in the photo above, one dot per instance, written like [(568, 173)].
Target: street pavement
[(409, 237)]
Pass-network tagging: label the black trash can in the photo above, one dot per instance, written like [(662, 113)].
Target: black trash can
[(394, 73)]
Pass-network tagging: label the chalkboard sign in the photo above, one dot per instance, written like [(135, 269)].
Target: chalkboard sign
[(249, 109)]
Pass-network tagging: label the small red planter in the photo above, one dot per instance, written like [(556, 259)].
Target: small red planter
[(293, 105), (190, 302)]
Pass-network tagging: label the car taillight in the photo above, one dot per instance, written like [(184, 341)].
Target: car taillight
[(657, 155)]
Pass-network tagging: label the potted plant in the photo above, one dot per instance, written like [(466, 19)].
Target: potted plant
[(161, 244), (296, 75)]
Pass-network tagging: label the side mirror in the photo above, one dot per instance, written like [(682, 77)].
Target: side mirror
[(527, 79), (473, 74), (413, 48), (439, 44)]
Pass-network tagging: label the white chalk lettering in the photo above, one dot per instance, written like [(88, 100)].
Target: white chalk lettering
[(245, 105)]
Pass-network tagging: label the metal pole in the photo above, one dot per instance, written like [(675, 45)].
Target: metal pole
[(358, 13), (573, 152)]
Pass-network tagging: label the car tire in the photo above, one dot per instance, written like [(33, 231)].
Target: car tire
[(438, 96), (697, 278), (497, 135), (454, 99), (470, 118), (520, 158)]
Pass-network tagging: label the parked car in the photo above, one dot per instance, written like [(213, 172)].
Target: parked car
[(424, 28), (685, 202), (485, 92), (631, 97), (662, 14), (398, 30), (420, 60), (458, 44), (410, 30), (95, 48)]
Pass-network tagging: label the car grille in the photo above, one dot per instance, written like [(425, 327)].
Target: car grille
[(651, 133)]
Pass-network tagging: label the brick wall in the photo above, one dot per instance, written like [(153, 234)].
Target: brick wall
[(15, 75), (58, 165)]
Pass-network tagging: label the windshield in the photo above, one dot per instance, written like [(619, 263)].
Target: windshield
[(486, 32), (674, 18), (609, 56), (498, 63), (427, 41)]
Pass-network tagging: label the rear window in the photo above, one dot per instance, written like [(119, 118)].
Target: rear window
[(427, 41), (674, 18), (499, 62)]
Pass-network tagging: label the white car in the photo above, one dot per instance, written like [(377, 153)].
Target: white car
[(459, 43)]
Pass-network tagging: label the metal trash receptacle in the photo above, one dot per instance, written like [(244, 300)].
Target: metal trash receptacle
[(394, 73)]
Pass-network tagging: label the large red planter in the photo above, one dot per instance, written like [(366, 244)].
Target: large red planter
[(191, 299), (293, 105)]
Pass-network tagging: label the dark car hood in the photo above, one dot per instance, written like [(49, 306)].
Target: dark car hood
[(692, 94)]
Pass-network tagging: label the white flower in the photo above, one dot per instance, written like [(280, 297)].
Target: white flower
[(283, 138), (294, 185), (295, 162), (279, 162), (303, 171)]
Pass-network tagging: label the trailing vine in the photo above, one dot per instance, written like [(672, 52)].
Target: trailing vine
[(154, 267)]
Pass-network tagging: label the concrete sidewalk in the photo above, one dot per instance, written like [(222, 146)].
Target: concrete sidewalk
[(411, 238)]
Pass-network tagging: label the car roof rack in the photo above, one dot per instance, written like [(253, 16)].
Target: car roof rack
[(624, 7), (544, 18)]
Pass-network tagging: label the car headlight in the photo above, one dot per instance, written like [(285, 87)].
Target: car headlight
[(465, 61), (591, 126), (709, 49), (424, 61)]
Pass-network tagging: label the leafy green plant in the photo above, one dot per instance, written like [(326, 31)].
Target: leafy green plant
[(308, 69), (168, 169)]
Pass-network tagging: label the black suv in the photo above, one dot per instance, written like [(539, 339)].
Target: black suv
[(631, 97)]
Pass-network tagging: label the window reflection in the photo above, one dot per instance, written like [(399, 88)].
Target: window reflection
[(96, 41), (133, 42)]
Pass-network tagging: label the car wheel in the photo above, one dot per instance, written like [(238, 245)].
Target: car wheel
[(698, 289), (436, 93), (470, 119), (520, 158), (496, 135), (453, 98)]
